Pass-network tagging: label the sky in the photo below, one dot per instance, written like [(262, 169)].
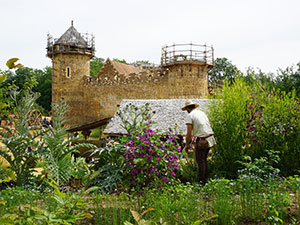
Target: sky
[(262, 34)]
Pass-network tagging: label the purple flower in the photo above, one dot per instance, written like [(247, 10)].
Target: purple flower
[(165, 179), (175, 167), (134, 171)]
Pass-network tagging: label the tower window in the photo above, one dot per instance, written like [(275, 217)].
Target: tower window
[(68, 72)]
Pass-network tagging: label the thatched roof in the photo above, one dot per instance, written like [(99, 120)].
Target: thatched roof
[(123, 68), (72, 37), (167, 113)]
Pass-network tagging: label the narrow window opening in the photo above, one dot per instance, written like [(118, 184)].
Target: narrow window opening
[(68, 72)]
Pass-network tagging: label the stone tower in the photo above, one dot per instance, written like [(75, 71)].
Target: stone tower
[(187, 66), (70, 55)]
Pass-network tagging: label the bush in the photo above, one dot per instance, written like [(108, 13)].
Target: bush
[(20, 140), (248, 120), (151, 157)]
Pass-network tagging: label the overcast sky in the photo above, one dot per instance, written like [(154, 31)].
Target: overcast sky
[(262, 34)]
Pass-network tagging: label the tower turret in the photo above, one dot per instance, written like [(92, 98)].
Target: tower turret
[(188, 66), (70, 55)]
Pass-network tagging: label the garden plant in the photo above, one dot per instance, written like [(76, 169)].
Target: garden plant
[(144, 178)]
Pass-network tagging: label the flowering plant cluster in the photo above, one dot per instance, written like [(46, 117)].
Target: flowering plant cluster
[(151, 157), (252, 119)]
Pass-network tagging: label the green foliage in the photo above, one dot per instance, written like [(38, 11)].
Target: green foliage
[(40, 81), (223, 70), (120, 60), (221, 201), (188, 170), (289, 79), (11, 63), (250, 119), (151, 157), (20, 141), (260, 170), (59, 208), (44, 87), (55, 150), (6, 175), (5, 89), (138, 217), (251, 77), (228, 120), (95, 66), (110, 162), (23, 78)]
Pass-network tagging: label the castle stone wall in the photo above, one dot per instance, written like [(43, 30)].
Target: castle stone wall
[(68, 71), (102, 94)]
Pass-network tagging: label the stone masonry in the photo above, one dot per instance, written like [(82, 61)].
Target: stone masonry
[(94, 98)]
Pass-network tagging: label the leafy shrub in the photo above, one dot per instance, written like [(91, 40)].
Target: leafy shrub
[(110, 162), (250, 119), (260, 170), (55, 149), (188, 170), (151, 158), (20, 141)]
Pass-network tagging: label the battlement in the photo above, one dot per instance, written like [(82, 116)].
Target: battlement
[(124, 79)]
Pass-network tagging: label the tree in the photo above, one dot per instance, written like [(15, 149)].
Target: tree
[(44, 87), (289, 79), (120, 60), (95, 66), (266, 79), (22, 78), (223, 70), (33, 79)]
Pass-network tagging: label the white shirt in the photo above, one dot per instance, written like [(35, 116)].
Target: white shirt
[(201, 125)]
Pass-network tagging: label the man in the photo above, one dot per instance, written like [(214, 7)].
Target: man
[(199, 127)]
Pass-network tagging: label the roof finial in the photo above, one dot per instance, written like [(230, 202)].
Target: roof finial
[(72, 23)]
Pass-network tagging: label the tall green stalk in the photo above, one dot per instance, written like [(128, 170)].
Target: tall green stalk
[(20, 139)]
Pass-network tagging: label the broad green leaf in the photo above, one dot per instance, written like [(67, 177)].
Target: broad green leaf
[(198, 222), (3, 105), (94, 188), (2, 78), (6, 221), (137, 217), (127, 223), (2, 202), (11, 63), (147, 210)]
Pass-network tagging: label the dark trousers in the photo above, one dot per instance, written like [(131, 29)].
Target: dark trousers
[(201, 159)]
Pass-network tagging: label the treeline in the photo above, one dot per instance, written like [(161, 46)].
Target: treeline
[(287, 79)]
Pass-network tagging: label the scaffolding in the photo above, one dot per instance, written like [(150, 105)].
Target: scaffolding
[(84, 43), (187, 53)]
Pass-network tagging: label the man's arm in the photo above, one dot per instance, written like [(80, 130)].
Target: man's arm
[(188, 137)]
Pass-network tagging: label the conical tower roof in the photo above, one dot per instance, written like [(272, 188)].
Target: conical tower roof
[(72, 37), (71, 42)]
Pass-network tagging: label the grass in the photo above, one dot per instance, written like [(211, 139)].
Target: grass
[(233, 202)]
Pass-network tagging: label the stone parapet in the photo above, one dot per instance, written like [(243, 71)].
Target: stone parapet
[(115, 79)]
